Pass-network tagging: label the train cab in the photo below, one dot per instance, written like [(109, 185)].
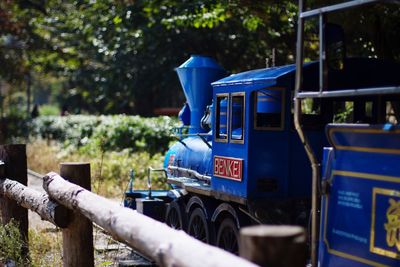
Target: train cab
[(256, 152)]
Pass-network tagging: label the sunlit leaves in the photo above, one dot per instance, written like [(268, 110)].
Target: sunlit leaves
[(200, 17), (252, 22), (119, 56), (117, 20)]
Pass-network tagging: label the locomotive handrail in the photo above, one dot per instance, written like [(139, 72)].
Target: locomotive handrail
[(149, 171), (191, 134), (178, 130), (204, 140), (201, 135), (179, 139), (194, 173)]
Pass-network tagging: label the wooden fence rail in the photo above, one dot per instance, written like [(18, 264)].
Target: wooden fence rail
[(35, 201), (67, 202), (168, 247)]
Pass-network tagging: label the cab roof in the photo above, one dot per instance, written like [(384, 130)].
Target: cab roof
[(358, 73), (260, 76)]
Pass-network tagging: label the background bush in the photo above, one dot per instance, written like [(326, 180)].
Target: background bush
[(112, 144), (109, 133)]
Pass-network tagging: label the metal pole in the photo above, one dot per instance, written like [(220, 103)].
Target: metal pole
[(322, 54), (299, 50), (310, 153)]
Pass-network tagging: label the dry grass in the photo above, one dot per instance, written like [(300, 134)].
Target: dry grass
[(45, 248), (110, 170), (42, 156)]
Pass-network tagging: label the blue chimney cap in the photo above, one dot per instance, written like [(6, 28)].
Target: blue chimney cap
[(196, 76), (198, 61)]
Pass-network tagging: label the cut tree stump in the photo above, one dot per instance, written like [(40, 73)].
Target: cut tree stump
[(274, 246)]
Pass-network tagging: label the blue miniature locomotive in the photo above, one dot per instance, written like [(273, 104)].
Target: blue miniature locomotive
[(235, 165), (238, 159)]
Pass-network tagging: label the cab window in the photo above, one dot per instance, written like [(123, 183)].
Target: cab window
[(221, 118), (237, 118), (269, 113)]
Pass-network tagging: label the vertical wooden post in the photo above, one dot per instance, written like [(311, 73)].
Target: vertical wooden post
[(15, 168), (274, 246), (78, 236)]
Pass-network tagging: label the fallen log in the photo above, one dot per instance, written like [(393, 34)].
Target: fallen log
[(35, 201), (168, 247)]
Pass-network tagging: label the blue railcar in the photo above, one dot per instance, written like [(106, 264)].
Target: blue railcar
[(355, 194), (360, 203), (238, 159)]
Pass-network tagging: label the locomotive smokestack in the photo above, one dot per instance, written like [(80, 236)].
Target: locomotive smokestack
[(196, 76)]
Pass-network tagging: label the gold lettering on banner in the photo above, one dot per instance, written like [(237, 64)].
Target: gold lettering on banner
[(392, 227)]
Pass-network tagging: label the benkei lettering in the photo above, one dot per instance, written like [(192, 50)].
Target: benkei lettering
[(230, 168)]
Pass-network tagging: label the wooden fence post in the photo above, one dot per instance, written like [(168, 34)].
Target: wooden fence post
[(78, 236), (274, 246), (15, 168)]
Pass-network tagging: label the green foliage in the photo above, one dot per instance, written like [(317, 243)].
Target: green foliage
[(344, 113), (118, 56), (108, 133), (49, 110), (11, 244), (118, 132), (113, 55), (71, 130)]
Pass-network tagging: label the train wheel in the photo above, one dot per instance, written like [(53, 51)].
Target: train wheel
[(198, 226), (227, 237), (175, 216)]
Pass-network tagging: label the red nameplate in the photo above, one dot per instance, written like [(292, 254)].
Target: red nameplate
[(230, 168)]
